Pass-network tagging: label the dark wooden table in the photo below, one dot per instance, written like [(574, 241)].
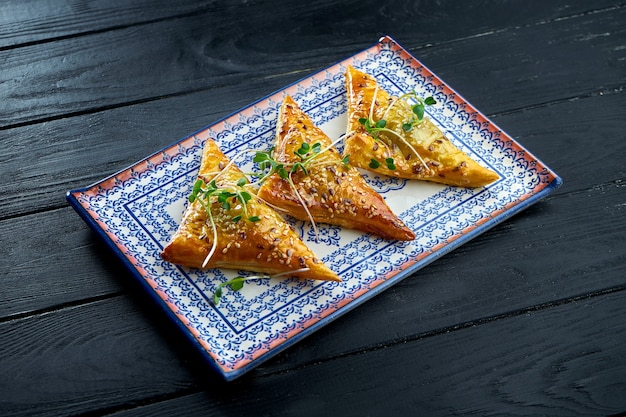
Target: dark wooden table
[(526, 319)]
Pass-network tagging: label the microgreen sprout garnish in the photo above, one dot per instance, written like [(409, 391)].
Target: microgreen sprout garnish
[(418, 110), (269, 165), (305, 151), (237, 283), (307, 154), (391, 165), (226, 196), (374, 127), (234, 284)]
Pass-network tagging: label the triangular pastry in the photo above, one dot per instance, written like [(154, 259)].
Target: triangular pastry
[(437, 159), (255, 239), (332, 191)]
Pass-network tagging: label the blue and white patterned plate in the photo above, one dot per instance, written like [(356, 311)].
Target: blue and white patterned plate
[(138, 209)]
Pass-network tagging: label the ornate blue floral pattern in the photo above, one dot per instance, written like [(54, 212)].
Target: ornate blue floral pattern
[(138, 209)]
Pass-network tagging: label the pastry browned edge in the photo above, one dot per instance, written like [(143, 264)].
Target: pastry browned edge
[(439, 160), (268, 246), (334, 192)]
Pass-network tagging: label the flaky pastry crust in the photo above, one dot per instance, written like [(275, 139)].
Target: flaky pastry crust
[(334, 192), (268, 246), (439, 160)]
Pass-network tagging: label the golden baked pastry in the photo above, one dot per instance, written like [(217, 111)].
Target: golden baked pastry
[(386, 135), (320, 185), (248, 234)]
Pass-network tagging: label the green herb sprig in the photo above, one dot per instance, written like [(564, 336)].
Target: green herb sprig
[(374, 164), (269, 165), (202, 192), (418, 110), (373, 127), (234, 284), (237, 283)]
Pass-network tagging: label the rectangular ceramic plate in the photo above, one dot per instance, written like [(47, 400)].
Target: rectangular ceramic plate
[(138, 209)]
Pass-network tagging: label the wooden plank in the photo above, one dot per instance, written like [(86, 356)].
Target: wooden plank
[(568, 364), (559, 360), (142, 63), (39, 21), (32, 21), (78, 151), (541, 64), (75, 152), (574, 139), (80, 359), (51, 260)]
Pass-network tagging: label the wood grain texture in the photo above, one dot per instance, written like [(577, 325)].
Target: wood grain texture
[(35, 262), (115, 68), (543, 67), (552, 361), (440, 295), (526, 319), (38, 21), (106, 356)]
